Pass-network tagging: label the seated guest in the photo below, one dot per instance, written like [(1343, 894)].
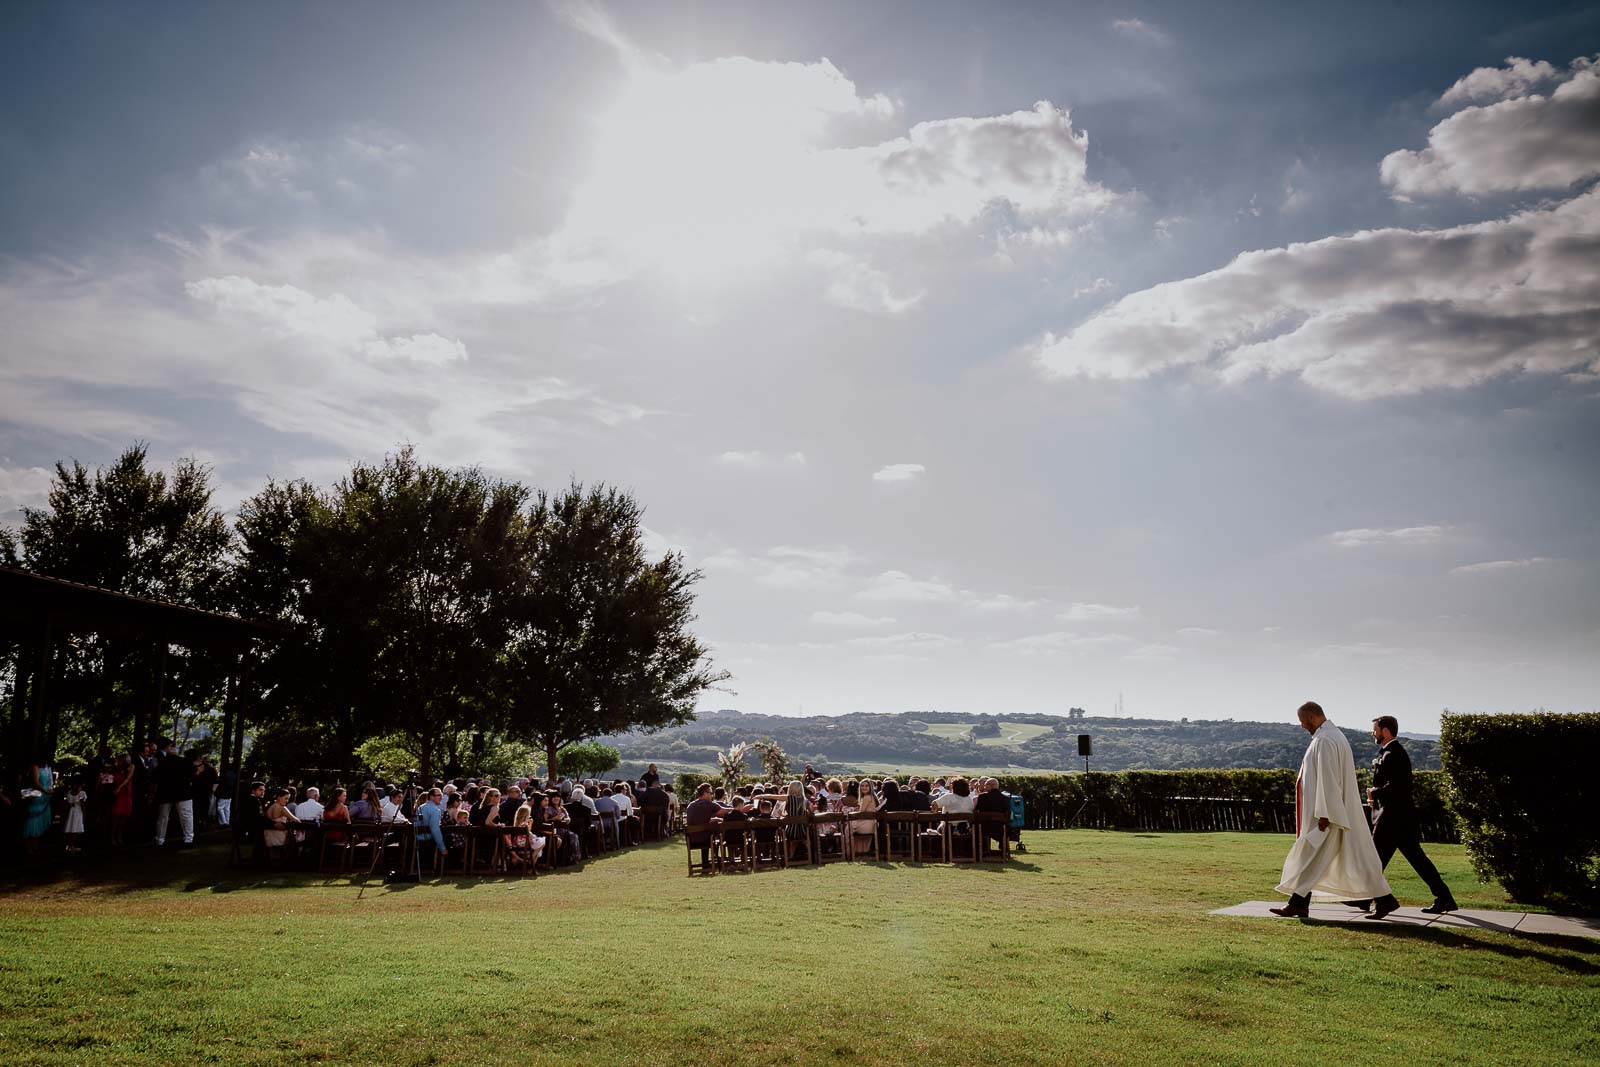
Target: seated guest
[(523, 844), (310, 809), (389, 807), (336, 812), (509, 806), (992, 800), (733, 821), (916, 798), (605, 810), (568, 848), (863, 830), (277, 821), (703, 811), (851, 800), (835, 794), (488, 812), (940, 787), (368, 808), (430, 823), (891, 796), (656, 804), (580, 795), (958, 799)]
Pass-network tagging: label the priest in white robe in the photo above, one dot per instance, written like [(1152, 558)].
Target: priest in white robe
[(1333, 857)]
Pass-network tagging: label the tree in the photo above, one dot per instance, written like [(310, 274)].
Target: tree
[(600, 641), (410, 572), (588, 759), (132, 530)]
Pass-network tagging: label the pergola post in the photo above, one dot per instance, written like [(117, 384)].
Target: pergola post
[(230, 697), (39, 692)]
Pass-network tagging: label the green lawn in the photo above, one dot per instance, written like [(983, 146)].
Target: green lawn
[(1092, 947)]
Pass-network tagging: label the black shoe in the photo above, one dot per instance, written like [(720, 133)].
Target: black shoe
[(1359, 905), (1440, 908), (1297, 908), (1383, 907)]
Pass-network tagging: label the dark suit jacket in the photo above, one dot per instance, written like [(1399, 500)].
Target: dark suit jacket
[(915, 800), (1391, 780)]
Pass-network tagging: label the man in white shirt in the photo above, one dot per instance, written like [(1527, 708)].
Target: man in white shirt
[(310, 809), (391, 810)]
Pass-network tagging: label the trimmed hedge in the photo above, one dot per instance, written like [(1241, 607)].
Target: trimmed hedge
[(1525, 790), (1235, 799)]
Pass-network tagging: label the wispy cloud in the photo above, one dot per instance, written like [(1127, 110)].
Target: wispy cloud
[(899, 472), (1400, 535), (1142, 30), (850, 619), (1082, 612), (1496, 565)]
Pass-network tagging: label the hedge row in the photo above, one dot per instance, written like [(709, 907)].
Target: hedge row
[(1252, 800), (1525, 790)]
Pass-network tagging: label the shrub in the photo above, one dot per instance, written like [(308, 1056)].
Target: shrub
[(1525, 792)]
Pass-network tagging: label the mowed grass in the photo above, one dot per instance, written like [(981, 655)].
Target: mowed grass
[(1011, 733), (1091, 947)]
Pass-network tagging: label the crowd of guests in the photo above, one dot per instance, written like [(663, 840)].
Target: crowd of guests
[(154, 794), (714, 807), (560, 821)]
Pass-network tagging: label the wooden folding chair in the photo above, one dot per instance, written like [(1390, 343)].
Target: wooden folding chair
[(655, 823), (992, 823), (933, 836), (765, 840), (861, 844), (831, 847), (959, 841), (713, 835), (736, 848), (899, 835)]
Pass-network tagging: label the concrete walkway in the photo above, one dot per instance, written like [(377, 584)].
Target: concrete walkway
[(1506, 922)]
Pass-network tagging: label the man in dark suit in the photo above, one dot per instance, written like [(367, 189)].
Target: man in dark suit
[(1395, 824), (994, 802)]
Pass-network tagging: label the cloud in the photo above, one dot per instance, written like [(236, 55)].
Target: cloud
[(785, 567), (1141, 29), (22, 487), (1081, 612), (762, 459), (1516, 145), (1486, 85), (1497, 565), (332, 321), (710, 172), (899, 472), (1402, 535), (1153, 653), (1198, 631), (1099, 285), (1002, 602), (1377, 313), (850, 619), (854, 283), (898, 585), (1060, 642), (905, 644)]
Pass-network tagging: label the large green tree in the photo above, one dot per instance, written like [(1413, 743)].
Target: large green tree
[(410, 573), (600, 641), (131, 529)]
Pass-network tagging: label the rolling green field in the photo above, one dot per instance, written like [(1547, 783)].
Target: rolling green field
[(1011, 733), (1091, 947)]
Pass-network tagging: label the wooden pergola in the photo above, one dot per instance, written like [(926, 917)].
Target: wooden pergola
[(37, 612)]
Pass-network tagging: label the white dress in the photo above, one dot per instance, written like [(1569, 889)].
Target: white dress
[(75, 812)]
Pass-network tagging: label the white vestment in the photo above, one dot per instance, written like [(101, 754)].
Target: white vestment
[(1340, 863)]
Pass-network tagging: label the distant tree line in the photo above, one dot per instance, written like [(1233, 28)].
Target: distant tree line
[(438, 613), (842, 741)]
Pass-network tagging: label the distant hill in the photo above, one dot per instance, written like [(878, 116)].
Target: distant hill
[(943, 740)]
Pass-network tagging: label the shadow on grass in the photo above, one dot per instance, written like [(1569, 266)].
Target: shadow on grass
[(1575, 954)]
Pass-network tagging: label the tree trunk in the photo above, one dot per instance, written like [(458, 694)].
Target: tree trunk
[(425, 754), (550, 747)]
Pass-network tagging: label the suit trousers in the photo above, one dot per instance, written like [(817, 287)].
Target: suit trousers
[(185, 820), (1409, 844)]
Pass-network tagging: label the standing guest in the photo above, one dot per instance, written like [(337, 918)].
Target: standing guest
[(651, 776), (102, 793), (310, 809), (227, 785), (656, 804), (121, 801), (76, 798), (250, 822), (1395, 824), (1333, 855), (203, 790), (173, 794), (703, 810), (38, 788)]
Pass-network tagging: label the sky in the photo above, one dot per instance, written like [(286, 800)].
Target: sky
[(990, 358)]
